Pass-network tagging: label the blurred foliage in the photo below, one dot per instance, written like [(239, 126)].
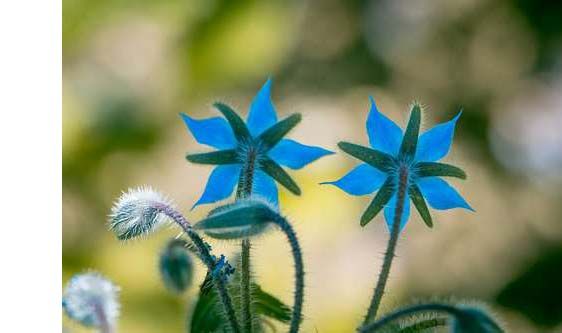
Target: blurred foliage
[(536, 291), (130, 67)]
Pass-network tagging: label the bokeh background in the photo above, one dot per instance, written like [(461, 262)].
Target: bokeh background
[(130, 66)]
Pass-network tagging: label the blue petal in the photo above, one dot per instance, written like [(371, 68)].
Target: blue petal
[(441, 195), (220, 184), (214, 132), (390, 209), (296, 155), (435, 143), (383, 133), (262, 113), (265, 187), (363, 179)]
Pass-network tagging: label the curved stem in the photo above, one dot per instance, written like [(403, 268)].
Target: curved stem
[(449, 309), (244, 190), (299, 272), (391, 247), (208, 260)]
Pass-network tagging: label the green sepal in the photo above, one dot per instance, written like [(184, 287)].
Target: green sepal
[(275, 133), (238, 126), (418, 200), (436, 169), (281, 176), (241, 219), (373, 157), (410, 140), (229, 156), (379, 201)]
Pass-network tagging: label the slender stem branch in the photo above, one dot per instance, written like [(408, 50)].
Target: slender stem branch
[(299, 272), (424, 324), (449, 309), (105, 325), (391, 247), (218, 280), (244, 190)]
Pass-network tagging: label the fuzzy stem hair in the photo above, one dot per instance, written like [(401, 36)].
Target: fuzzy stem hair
[(296, 316), (244, 190), (391, 247), (218, 280)]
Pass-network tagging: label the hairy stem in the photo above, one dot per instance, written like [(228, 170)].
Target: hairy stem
[(391, 247), (424, 325), (449, 309), (208, 260), (105, 325), (299, 272), (244, 190)]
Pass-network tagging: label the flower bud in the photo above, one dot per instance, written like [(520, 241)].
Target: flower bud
[(137, 212), (91, 300), (474, 320), (240, 219), (176, 266)]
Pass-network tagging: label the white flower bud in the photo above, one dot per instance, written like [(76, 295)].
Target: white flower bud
[(137, 212), (92, 300)]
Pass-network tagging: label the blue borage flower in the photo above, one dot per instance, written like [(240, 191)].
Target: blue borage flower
[(259, 142), (393, 153)]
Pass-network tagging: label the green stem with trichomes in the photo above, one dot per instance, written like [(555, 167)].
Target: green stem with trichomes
[(218, 279), (286, 227), (391, 247), (244, 190)]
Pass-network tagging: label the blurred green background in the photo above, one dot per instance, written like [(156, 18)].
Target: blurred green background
[(130, 67)]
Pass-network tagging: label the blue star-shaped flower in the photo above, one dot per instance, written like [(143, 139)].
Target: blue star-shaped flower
[(395, 157), (257, 145)]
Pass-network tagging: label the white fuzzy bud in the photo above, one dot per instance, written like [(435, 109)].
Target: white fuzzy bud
[(92, 300), (137, 212)]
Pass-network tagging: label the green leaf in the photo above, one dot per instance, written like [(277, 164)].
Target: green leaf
[(239, 128), (379, 201), (216, 157), (241, 219), (410, 140), (421, 206), (436, 169), (373, 157), (269, 306), (206, 314), (281, 176), (275, 133)]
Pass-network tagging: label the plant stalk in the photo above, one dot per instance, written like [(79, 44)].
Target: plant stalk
[(244, 190), (391, 247), (218, 280), (299, 272)]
